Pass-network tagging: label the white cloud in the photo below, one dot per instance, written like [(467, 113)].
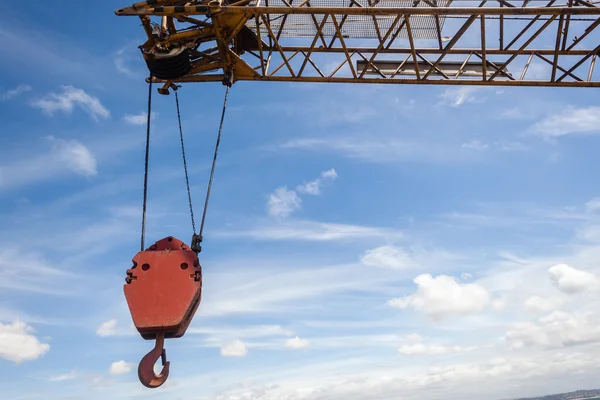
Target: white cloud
[(456, 97), (42, 277), (590, 233), (559, 329), (571, 281), (313, 231), (120, 367), (17, 344), (74, 156), (499, 303), (593, 205), (139, 119), (108, 328), (427, 349), (9, 94), (64, 377), (314, 187), (539, 304), (415, 347), (58, 157), (380, 148), (283, 202), (443, 296), (296, 343), (414, 338), (237, 348), (571, 120), (474, 145), (66, 100), (387, 256), (121, 59)]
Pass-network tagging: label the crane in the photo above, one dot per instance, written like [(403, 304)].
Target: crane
[(416, 42), (439, 42)]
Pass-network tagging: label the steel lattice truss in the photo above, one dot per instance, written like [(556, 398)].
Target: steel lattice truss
[(499, 42)]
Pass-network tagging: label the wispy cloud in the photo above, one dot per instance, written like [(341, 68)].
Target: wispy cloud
[(387, 256), (64, 377), (311, 231), (49, 52), (475, 145), (459, 96), (66, 100), (41, 277), (139, 119), (283, 202), (269, 289), (9, 94), (572, 120), (121, 61), (372, 149), (415, 346), (59, 157)]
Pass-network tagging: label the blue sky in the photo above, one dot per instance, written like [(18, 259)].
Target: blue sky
[(361, 242)]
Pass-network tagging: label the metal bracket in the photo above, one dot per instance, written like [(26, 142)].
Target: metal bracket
[(195, 244), (228, 77)]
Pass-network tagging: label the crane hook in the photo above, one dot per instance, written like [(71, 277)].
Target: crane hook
[(146, 367)]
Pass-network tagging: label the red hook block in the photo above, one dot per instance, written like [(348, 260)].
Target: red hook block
[(163, 292)]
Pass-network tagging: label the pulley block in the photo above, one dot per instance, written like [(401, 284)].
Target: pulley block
[(164, 288), (163, 291), (171, 64)]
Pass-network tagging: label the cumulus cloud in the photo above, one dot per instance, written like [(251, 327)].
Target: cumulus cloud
[(66, 100), (236, 348), (9, 94), (17, 344), (296, 343), (571, 281), (108, 328), (283, 202), (444, 296), (559, 329), (139, 119), (572, 120), (387, 257), (120, 367)]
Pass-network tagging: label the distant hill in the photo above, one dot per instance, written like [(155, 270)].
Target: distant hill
[(577, 395)]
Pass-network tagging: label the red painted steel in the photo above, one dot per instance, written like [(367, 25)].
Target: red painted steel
[(164, 288)]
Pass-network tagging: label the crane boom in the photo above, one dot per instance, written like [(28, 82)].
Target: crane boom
[(439, 42)]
